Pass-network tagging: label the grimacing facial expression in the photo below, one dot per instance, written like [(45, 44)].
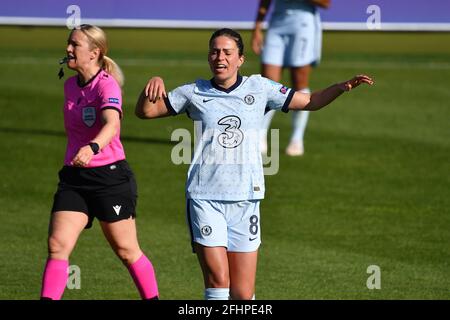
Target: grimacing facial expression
[(224, 60), (79, 52)]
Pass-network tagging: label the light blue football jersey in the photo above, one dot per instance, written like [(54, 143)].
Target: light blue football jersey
[(227, 163)]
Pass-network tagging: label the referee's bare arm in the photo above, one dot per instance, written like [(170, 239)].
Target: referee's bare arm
[(319, 99)]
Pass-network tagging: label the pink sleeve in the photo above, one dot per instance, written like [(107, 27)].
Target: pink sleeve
[(111, 96)]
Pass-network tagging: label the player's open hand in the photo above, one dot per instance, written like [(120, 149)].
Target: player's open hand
[(356, 81), (155, 90)]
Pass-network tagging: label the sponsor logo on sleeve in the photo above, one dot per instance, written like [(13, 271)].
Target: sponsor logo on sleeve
[(113, 100), (284, 89)]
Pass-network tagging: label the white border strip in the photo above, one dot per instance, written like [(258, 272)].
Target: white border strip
[(197, 24), (130, 23), (387, 26)]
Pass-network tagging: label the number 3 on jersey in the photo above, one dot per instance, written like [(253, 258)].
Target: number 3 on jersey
[(232, 135)]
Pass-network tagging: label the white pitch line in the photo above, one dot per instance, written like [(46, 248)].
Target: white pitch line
[(176, 63)]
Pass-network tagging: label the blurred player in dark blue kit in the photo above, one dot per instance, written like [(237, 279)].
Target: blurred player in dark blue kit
[(293, 40)]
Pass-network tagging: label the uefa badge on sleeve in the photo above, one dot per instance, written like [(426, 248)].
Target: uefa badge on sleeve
[(114, 100)]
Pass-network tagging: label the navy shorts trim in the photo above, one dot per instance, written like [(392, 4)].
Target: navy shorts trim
[(108, 193), (189, 221)]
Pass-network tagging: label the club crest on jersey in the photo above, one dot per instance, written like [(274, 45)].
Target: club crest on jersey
[(88, 115), (206, 230), (283, 89), (249, 99)]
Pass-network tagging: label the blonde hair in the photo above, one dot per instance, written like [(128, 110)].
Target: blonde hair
[(97, 39)]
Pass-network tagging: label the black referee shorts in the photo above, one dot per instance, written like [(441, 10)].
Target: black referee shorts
[(108, 193)]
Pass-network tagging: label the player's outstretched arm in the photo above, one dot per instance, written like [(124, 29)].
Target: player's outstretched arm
[(150, 104), (319, 99)]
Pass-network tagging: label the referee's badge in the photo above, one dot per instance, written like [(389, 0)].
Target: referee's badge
[(88, 115), (249, 99)]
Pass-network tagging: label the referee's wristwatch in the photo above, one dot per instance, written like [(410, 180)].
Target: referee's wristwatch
[(95, 147)]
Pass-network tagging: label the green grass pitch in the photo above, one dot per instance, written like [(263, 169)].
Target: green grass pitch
[(372, 188)]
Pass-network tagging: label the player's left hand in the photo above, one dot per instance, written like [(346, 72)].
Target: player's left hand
[(155, 89), (83, 157), (356, 81)]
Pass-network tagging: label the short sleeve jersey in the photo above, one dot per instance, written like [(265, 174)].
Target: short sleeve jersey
[(83, 106), (227, 163)]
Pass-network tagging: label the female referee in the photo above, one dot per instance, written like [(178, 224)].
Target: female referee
[(223, 196), (95, 181)]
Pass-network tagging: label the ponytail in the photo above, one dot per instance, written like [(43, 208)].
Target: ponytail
[(111, 67)]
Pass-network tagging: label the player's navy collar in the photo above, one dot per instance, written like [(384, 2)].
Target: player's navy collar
[(89, 81), (234, 86)]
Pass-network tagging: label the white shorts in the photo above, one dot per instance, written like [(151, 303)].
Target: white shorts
[(293, 40), (231, 224)]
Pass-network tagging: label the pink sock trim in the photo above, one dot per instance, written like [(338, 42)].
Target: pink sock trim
[(144, 277), (54, 279)]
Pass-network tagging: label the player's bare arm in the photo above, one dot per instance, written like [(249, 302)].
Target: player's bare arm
[(319, 99), (150, 104), (262, 10), (321, 3), (257, 36)]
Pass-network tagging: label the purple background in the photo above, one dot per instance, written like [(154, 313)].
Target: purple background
[(410, 11)]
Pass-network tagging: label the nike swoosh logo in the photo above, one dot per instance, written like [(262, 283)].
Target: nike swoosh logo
[(206, 100), (251, 239)]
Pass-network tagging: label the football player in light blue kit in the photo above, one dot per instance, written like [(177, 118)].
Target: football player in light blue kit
[(225, 180), (293, 40)]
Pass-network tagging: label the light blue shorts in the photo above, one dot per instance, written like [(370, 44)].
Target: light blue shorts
[(231, 224), (293, 40)]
